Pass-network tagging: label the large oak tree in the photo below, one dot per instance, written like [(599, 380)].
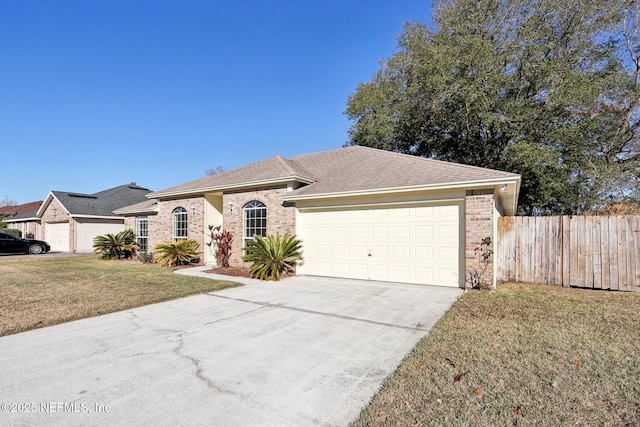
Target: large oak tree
[(545, 88)]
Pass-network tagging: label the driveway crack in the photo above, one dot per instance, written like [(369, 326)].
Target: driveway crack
[(322, 313), (199, 371)]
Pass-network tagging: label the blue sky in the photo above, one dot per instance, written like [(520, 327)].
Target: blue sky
[(95, 94)]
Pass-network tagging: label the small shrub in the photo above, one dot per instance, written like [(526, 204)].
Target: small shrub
[(121, 245), (273, 255), (146, 257), (29, 235), (13, 232), (221, 243), (177, 252)]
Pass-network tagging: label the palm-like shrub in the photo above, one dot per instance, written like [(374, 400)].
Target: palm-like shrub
[(121, 245), (273, 255), (177, 252)]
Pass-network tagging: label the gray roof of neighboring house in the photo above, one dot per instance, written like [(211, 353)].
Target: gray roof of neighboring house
[(102, 203), (149, 205), (348, 169)]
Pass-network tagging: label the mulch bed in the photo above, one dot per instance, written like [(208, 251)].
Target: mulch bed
[(230, 271)]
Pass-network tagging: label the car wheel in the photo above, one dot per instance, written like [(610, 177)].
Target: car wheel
[(36, 249)]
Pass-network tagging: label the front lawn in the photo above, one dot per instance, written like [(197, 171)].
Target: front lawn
[(526, 355), (42, 292)]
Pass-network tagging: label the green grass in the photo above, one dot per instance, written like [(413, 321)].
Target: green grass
[(524, 355), (42, 292)]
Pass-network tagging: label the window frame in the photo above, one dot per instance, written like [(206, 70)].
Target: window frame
[(142, 233), (180, 230), (253, 212)]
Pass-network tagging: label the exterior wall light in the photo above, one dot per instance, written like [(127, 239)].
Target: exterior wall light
[(193, 210), (230, 207), (503, 188)]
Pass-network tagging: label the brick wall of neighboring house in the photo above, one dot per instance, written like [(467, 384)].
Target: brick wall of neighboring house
[(161, 225), (280, 217), (479, 223), (56, 213), (153, 224)]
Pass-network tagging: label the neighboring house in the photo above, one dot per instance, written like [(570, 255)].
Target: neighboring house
[(23, 218), (361, 213), (70, 221)]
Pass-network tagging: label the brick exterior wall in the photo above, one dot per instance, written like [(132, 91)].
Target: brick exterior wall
[(280, 217), (161, 225), (479, 223)]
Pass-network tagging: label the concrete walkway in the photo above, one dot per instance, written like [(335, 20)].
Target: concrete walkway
[(303, 351)]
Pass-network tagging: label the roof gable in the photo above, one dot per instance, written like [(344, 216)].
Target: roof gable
[(271, 170), (102, 203)]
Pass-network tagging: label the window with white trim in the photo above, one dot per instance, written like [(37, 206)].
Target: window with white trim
[(255, 220), (142, 232), (180, 224)]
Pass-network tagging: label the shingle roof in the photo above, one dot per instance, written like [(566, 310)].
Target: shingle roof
[(349, 169), (271, 169), (102, 203), (20, 210), (146, 206), (356, 168)]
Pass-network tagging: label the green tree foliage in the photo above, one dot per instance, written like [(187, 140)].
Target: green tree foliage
[(121, 245), (545, 88), (273, 255), (177, 252)]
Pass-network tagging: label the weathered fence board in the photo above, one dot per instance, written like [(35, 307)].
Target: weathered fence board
[(597, 252)]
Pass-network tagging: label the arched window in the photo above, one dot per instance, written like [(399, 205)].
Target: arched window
[(180, 224), (255, 220)]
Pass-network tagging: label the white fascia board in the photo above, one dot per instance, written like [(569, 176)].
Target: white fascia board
[(98, 216), (149, 210), (237, 186), (12, 220), (415, 188)]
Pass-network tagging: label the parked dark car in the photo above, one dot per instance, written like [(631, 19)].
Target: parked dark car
[(12, 244)]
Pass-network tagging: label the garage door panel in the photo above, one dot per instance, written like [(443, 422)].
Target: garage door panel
[(448, 232), (342, 251), (342, 232), (57, 235), (424, 231), (380, 232), (402, 232), (359, 270), (414, 244), (325, 232), (360, 232), (401, 252), (325, 250), (424, 253)]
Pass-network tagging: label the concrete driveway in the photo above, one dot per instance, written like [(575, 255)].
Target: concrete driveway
[(304, 351)]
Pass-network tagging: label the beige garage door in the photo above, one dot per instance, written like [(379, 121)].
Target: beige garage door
[(87, 229), (57, 235), (411, 244)]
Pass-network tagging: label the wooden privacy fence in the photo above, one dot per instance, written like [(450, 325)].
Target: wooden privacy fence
[(598, 252)]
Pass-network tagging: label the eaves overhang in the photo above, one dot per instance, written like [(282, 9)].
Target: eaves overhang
[(508, 195), (228, 187)]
